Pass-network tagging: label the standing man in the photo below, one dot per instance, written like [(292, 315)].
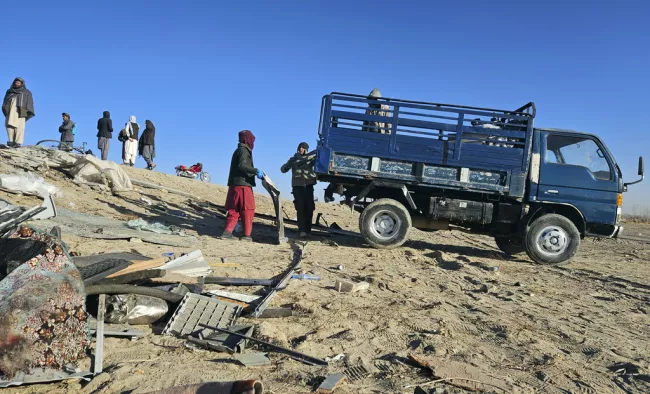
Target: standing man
[(147, 144), (303, 180), (376, 110), (129, 138), (240, 201), (67, 130), (18, 108), (104, 134)]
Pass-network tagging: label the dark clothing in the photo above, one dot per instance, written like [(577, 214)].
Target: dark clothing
[(66, 131), (103, 144), (242, 171), (105, 126), (302, 170), (247, 137), (24, 100), (148, 137), (240, 202), (149, 153), (303, 200)]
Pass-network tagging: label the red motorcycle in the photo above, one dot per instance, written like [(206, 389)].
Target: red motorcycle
[(193, 172)]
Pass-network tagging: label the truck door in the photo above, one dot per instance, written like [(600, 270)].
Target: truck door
[(575, 170)]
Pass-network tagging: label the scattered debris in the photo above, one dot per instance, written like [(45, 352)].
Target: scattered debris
[(83, 169), (224, 281), (242, 386), (343, 286), (192, 264), (99, 335), (196, 310), (223, 342), (235, 296), (84, 225), (295, 264), (305, 277), (40, 375), (338, 357), (358, 372), (331, 383), (92, 273), (253, 359), (28, 183), (159, 228), (134, 309), (309, 360)]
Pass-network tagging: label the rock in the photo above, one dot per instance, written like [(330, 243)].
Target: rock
[(135, 240), (343, 286)]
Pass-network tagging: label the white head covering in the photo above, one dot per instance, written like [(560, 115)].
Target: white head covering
[(129, 128)]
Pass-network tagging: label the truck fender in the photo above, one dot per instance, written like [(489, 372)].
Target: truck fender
[(567, 210), (391, 185)]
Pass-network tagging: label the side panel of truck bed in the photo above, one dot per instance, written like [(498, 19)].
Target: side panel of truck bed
[(427, 144)]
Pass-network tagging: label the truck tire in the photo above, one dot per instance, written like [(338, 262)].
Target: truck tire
[(385, 224), (552, 239), (510, 245)]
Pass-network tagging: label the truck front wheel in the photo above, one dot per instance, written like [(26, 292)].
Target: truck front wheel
[(385, 224), (552, 239)]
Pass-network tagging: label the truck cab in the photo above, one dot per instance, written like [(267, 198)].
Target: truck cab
[(433, 166)]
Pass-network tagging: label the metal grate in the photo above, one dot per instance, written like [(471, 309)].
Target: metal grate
[(197, 309)]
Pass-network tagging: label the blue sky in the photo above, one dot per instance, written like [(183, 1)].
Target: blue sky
[(202, 71)]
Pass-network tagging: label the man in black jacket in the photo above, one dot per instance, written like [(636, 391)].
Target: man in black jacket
[(303, 180), (104, 134)]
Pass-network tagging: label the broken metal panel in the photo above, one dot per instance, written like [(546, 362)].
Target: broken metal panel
[(277, 204), (98, 271), (83, 261), (97, 227), (309, 360), (195, 310), (39, 375), (295, 264), (253, 359), (99, 334), (331, 383)]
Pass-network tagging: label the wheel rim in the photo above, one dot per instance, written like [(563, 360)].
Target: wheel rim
[(385, 225), (553, 241)]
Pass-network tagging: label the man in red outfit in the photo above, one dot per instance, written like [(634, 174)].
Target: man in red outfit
[(240, 201)]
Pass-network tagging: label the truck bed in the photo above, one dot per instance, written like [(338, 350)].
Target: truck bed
[(425, 144)]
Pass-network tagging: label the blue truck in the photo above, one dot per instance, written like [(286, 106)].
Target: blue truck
[(405, 164)]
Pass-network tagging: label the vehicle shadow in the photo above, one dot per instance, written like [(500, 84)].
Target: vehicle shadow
[(462, 250)]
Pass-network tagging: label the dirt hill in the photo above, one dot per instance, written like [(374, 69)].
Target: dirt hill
[(491, 323)]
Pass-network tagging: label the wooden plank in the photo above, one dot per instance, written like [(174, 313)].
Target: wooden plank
[(169, 277), (141, 266)]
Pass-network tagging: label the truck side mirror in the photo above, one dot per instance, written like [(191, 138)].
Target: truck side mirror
[(641, 165)]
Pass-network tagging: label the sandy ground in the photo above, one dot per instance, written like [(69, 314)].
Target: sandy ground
[(519, 327)]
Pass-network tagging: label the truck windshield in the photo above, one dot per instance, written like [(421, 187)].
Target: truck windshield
[(578, 151)]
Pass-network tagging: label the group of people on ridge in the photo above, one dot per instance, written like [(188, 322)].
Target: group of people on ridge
[(18, 108)]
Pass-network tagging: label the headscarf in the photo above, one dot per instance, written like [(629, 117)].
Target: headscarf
[(129, 127), (247, 138), (374, 95), (303, 145), (23, 97), (148, 126), (107, 114)]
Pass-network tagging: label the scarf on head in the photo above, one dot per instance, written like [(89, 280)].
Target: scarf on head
[(22, 95), (129, 126), (246, 137)]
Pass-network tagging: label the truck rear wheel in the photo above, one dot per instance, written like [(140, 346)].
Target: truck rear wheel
[(552, 239), (385, 224), (512, 246)]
